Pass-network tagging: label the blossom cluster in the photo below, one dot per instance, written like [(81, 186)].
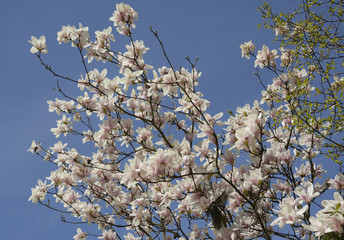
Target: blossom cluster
[(124, 18), (159, 164)]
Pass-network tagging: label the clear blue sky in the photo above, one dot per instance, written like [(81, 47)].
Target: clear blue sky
[(210, 30)]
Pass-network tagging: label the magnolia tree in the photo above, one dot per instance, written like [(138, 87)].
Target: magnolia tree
[(162, 167)]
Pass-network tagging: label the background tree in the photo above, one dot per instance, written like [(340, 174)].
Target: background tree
[(163, 167), (313, 35)]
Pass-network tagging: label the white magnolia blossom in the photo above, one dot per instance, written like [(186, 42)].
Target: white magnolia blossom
[(247, 48), (38, 45), (265, 57)]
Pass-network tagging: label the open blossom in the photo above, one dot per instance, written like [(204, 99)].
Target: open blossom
[(266, 57), (330, 218), (35, 148), (80, 235), (334, 206), (203, 149), (282, 30), (124, 18), (289, 212), (108, 235), (284, 187), (247, 48), (129, 78), (130, 236), (133, 58), (38, 45), (253, 179), (99, 49), (58, 147), (64, 126), (197, 233), (104, 37), (39, 192), (319, 225), (78, 36), (307, 193), (309, 140), (66, 34), (286, 57), (60, 106), (338, 182)]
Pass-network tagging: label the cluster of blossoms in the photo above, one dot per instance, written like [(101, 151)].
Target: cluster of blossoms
[(247, 48), (99, 49), (78, 36), (265, 58), (124, 18), (200, 182), (330, 219)]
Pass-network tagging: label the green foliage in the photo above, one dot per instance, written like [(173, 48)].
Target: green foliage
[(332, 236), (314, 32)]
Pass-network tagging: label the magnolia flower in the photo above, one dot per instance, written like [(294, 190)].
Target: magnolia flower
[(330, 218), (80, 235), (39, 192), (338, 182), (284, 187), (124, 18), (286, 57), (203, 149), (303, 171), (130, 236), (90, 213), (266, 57), (247, 48), (104, 37), (282, 30), (58, 147), (66, 34), (130, 77), (289, 212), (306, 194), (79, 37), (38, 45), (334, 206), (35, 148), (197, 233), (108, 235), (254, 178), (318, 225)]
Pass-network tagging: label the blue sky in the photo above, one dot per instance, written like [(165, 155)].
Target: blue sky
[(210, 30)]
